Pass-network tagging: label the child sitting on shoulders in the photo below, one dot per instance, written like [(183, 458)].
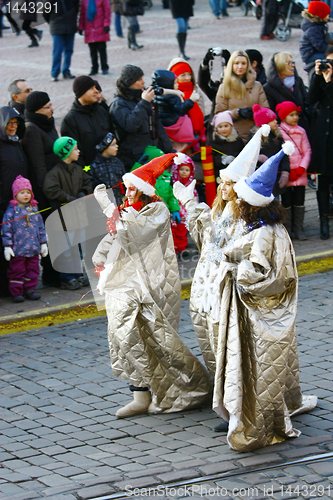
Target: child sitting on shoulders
[(23, 238), (106, 168), (225, 140)]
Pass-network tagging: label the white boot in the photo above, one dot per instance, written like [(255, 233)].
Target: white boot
[(139, 405)]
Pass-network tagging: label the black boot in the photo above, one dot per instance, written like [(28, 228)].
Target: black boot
[(31, 34), (181, 37), (298, 213), (288, 222), (132, 39), (323, 199)]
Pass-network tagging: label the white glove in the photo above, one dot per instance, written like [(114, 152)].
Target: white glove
[(8, 253), (44, 250), (182, 193), (103, 200), (195, 96)]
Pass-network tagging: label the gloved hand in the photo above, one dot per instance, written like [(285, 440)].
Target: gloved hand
[(299, 171), (81, 194), (103, 200), (208, 57), (246, 113), (195, 96), (284, 178), (293, 176), (8, 251), (176, 217), (182, 193), (106, 29), (262, 158), (80, 32), (44, 250)]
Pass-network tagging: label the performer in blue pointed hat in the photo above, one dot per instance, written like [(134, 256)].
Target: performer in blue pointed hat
[(257, 387)]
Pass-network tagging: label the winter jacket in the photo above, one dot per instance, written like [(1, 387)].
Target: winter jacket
[(84, 124), (133, 7), (17, 107), (13, 161), (109, 171), (201, 101), (94, 30), (170, 107), (302, 155), (163, 188), (224, 146), (131, 119), (30, 13), (23, 230), (313, 36), (63, 19), (321, 129), (254, 94), (64, 182), (269, 147), (183, 8), (117, 6), (277, 92)]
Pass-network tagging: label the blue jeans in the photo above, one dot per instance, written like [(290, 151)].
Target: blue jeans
[(117, 24), (62, 45), (182, 24), (218, 6)]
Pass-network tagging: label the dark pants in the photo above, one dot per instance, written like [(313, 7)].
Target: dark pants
[(293, 197), (95, 48), (323, 194), (23, 274), (270, 17)]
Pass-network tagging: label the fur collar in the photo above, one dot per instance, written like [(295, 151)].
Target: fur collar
[(232, 137), (312, 18)]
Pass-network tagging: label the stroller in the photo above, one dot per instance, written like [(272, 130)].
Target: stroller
[(289, 17), (252, 5)]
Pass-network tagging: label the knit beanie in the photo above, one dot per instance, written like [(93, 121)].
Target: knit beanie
[(130, 74), (286, 107), (262, 115), (254, 55), (180, 68), (81, 84), (21, 183), (320, 9), (103, 141), (36, 100), (223, 117), (64, 146)]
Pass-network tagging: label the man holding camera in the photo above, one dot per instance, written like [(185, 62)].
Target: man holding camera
[(321, 135)]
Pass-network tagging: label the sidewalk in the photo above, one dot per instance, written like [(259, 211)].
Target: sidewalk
[(60, 438)]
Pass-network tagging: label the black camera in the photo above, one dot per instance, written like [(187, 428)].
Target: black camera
[(158, 90), (323, 66)]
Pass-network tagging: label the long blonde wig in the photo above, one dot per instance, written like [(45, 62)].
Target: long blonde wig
[(233, 86)]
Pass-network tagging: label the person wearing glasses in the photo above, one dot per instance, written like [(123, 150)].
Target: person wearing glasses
[(13, 162), (284, 84), (38, 141), (18, 90)]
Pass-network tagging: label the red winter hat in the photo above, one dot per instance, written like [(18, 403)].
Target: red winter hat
[(320, 9), (286, 107), (144, 178), (262, 115), (180, 68)]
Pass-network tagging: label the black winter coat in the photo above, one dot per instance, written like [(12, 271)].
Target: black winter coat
[(321, 129), (231, 146), (181, 8), (13, 161), (85, 124), (64, 20), (30, 13), (132, 7), (109, 171), (132, 121), (63, 183), (277, 92)]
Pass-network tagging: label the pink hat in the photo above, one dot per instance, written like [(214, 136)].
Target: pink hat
[(18, 185), (223, 117), (262, 115), (285, 108)]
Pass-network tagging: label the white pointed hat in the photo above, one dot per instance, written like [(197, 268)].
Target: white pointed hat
[(245, 163), (257, 189)]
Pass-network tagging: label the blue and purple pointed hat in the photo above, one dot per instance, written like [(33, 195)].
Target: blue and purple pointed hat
[(257, 189)]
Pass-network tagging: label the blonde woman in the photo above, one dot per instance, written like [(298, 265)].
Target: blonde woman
[(239, 92)]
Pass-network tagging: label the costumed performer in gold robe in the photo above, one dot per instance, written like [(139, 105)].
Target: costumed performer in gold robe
[(142, 297), (257, 384)]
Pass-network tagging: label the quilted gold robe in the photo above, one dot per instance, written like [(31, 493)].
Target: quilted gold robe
[(142, 289), (257, 373)]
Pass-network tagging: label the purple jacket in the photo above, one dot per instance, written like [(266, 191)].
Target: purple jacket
[(94, 31), (24, 238)]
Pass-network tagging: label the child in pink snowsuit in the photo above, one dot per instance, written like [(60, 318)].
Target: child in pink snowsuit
[(293, 198), (183, 170)]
